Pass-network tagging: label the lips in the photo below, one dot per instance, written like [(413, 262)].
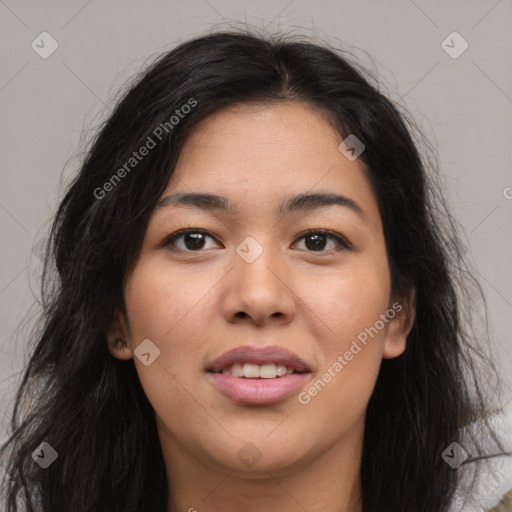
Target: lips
[(258, 375), (258, 356)]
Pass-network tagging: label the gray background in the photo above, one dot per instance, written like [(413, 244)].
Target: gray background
[(463, 105)]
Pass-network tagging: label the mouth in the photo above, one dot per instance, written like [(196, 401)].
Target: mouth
[(258, 375), (256, 371)]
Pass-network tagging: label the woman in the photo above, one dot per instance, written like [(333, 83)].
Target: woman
[(258, 302)]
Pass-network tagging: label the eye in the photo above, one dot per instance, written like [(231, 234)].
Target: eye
[(316, 240), (194, 240)]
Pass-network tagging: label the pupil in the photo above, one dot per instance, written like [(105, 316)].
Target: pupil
[(319, 241), (197, 242)]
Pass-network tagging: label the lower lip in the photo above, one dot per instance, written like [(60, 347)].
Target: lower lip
[(258, 391)]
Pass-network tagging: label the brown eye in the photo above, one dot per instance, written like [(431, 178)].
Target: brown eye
[(317, 240), (192, 240), (195, 240)]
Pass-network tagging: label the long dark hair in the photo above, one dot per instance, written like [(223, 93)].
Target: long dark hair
[(91, 408)]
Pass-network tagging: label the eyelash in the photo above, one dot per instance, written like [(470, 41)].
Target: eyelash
[(170, 240)]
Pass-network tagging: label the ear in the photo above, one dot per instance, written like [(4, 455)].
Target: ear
[(400, 325), (117, 337)]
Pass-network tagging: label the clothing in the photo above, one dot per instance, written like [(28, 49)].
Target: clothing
[(505, 504), (494, 485)]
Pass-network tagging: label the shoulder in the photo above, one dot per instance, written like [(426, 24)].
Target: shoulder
[(493, 488)]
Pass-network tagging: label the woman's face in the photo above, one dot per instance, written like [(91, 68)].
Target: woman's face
[(254, 279)]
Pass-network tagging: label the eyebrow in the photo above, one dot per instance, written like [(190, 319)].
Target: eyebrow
[(298, 203)]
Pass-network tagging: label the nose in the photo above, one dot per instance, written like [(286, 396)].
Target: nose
[(260, 289)]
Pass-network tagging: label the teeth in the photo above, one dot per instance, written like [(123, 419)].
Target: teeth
[(281, 370), (255, 371), (268, 371), (237, 370), (251, 371)]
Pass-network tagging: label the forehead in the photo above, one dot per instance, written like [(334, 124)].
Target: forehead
[(257, 154), (268, 134)]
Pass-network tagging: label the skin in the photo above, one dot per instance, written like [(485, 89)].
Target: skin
[(312, 302)]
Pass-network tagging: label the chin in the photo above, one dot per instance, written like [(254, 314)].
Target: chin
[(255, 460)]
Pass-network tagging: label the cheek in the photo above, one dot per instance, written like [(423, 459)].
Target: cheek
[(161, 300), (164, 307), (348, 315), (351, 355), (349, 301), (337, 398)]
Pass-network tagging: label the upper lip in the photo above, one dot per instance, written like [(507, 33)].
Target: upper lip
[(258, 355)]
